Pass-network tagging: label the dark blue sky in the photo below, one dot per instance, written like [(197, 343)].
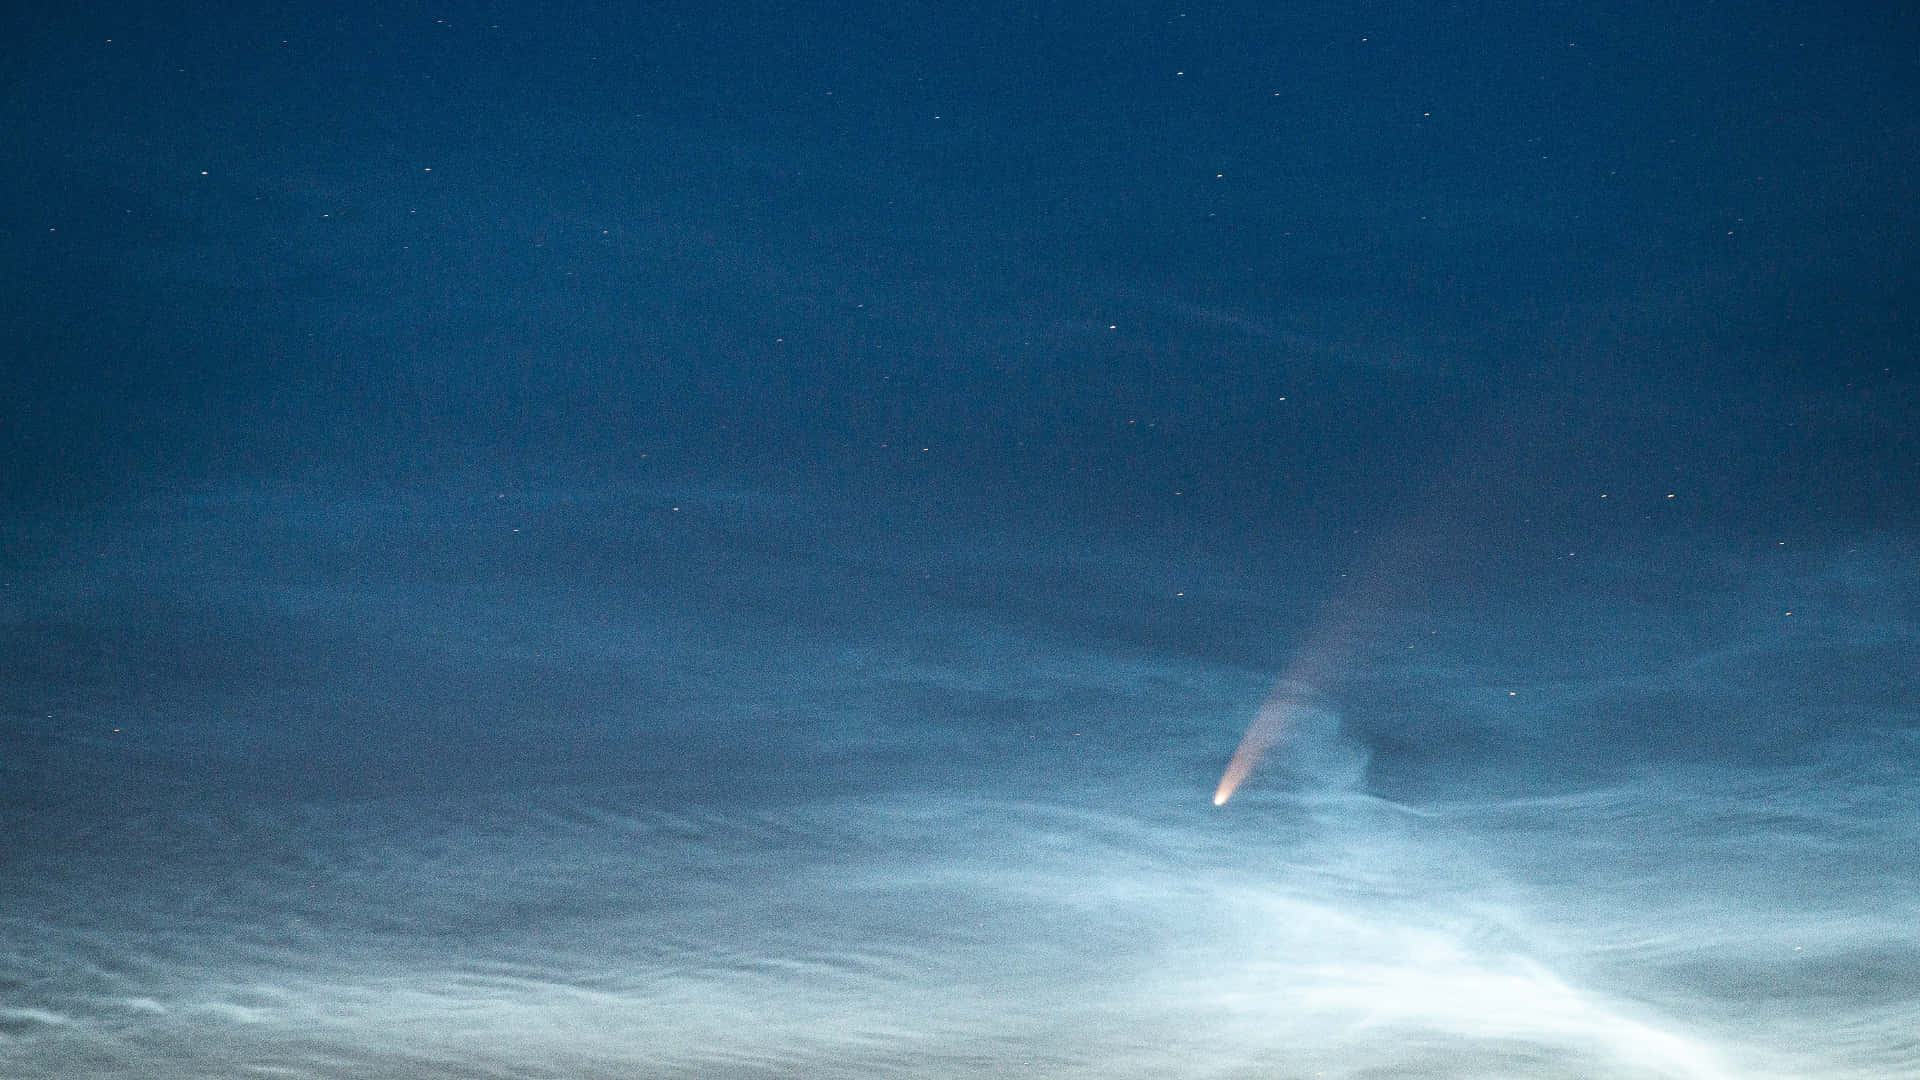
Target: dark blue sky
[(1648, 246)]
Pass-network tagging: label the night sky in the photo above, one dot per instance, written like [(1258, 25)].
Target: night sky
[(738, 541)]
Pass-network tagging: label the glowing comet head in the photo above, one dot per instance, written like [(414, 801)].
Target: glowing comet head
[(1237, 770), (1287, 702)]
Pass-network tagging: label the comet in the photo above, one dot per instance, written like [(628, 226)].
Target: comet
[(1279, 711), (1296, 692)]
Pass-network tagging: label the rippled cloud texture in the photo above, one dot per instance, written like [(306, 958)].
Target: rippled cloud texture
[(411, 788)]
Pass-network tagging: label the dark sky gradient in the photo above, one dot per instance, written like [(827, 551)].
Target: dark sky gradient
[(1675, 243), (735, 541)]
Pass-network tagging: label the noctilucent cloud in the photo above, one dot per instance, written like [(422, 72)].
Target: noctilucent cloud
[(731, 542)]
